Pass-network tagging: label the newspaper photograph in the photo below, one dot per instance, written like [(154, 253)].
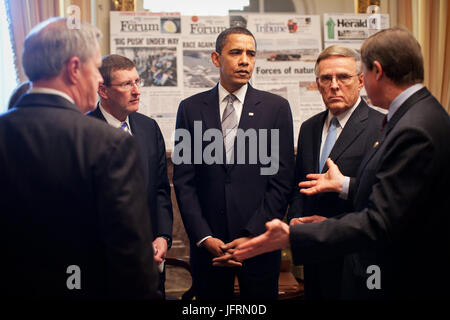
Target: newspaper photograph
[(199, 41)]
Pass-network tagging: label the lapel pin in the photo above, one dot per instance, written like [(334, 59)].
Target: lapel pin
[(251, 114), (376, 144)]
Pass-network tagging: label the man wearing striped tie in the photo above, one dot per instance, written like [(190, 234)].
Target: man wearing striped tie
[(118, 105), (227, 201)]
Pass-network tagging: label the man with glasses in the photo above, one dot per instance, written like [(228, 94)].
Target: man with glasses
[(396, 241), (345, 131), (118, 105)]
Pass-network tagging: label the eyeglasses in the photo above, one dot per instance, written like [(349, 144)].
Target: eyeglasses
[(129, 85), (341, 79)]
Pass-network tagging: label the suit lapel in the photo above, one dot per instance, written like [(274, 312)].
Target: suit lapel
[(211, 116), (97, 113), (412, 100), (211, 110), (353, 128), (140, 134), (317, 138), (136, 130), (250, 115)]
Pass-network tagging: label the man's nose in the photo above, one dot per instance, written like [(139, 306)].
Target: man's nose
[(334, 83), (136, 90), (243, 60)]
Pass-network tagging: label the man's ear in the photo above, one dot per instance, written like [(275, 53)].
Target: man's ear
[(102, 91), (360, 81), (215, 58), (378, 68), (73, 70)]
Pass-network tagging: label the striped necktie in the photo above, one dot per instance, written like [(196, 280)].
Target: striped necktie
[(124, 127), (229, 127)]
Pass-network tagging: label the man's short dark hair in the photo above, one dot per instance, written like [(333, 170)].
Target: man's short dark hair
[(114, 62), (222, 38), (399, 54)]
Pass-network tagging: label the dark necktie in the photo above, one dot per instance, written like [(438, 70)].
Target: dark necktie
[(383, 124)]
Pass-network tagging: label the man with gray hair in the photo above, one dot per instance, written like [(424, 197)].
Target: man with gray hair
[(74, 218), (345, 131)]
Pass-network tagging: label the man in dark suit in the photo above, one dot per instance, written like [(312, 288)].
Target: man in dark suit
[(397, 239), (225, 194), (339, 80), (119, 101), (75, 223)]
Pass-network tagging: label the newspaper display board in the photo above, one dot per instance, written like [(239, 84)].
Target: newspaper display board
[(351, 30), (172, 54), (287, 48)]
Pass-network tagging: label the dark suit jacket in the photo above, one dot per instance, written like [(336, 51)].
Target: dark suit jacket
[(232, 201), (401, 218), (357, 137), (69, 196), (153, 157)]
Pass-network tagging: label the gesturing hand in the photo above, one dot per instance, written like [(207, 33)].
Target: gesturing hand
[(275, 238), (330, 181)]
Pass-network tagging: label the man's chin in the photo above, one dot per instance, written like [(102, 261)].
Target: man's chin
[(337, 106), (133, 107)]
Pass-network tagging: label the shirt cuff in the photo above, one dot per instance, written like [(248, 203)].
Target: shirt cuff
[(201, 241), (345, 186)]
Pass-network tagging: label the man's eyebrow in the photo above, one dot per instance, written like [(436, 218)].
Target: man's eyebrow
[(241, 49)]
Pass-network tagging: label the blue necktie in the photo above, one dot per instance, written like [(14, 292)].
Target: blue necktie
[(329, 142), (124, 127)]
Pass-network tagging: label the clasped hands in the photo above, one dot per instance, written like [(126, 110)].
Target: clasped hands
[(223, 252), (277, 235)]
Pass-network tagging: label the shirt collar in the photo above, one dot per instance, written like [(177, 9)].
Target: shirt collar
[(401, 98), (51, 91), (111, 120), (240, 93)]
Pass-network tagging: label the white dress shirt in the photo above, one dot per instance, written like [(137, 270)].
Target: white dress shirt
[(237, 104), (341, 118), (111, 120)]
